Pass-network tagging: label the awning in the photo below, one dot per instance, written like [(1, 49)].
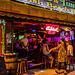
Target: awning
[(24, 11)]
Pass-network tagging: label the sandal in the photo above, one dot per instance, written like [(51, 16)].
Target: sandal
[(57, 71), (65, 73)]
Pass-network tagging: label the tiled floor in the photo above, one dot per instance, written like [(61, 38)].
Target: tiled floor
[(46, 72)]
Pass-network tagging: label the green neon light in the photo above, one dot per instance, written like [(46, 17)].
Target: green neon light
[(63, 2), (3, 35), (0, 21), (66, 3), (4, 22), (3, 46), (70, 4), (3, 32), (50, 0)]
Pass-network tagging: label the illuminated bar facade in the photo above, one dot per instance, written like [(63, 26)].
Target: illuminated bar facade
[(61, 12)]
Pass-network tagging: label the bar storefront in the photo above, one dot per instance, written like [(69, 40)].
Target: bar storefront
[(54, 19)]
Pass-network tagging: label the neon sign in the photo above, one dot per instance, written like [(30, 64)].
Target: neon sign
[(2, 26), (59, 5), (69, 4), (51, 28)]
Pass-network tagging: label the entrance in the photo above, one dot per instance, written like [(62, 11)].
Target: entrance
[(36, 33)]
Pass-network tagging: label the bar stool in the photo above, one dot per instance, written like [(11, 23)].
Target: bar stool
[(21, 66), (45, 59)]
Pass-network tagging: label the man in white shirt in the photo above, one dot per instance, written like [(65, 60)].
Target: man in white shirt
[(24, 43)]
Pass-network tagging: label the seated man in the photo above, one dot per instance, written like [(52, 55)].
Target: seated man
[(46, 51)]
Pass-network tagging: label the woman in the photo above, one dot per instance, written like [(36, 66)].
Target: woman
[(62, 48), (69, 50), (46, 51)]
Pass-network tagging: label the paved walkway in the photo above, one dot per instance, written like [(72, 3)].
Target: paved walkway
[(46, 72)]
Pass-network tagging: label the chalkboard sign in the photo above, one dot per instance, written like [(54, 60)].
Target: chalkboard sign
[(2, 66)]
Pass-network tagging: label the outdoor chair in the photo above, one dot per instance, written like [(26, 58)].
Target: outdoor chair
[(21, 66)]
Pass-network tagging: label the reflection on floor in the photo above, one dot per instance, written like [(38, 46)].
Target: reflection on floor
[(48, 72)]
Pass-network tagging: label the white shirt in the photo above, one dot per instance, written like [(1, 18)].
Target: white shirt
[(70, 50), (25, 41), (45, 49)]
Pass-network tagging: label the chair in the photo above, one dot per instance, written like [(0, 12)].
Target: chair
[(21, 66)]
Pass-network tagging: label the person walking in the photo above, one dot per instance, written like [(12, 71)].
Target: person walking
[(62, 55)]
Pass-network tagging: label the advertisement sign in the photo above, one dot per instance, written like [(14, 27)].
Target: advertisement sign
[(59, 5), (68, 35), (2, 36), (52, 28)]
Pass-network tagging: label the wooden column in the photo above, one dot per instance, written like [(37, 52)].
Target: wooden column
[(12, 35), (10, 31)]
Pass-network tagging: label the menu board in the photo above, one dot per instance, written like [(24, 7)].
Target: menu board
[(2, 66)]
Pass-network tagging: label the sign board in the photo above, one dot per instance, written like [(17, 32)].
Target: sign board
[(2, 36), (59, 5), (52, 28), (2, 66)]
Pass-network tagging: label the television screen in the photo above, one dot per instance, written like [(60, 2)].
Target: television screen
[(20, 37)]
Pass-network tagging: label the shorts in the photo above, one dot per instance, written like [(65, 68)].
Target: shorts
[(70, 56), (49, 55)]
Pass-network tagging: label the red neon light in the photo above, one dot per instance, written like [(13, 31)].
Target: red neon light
[(27, 23), (51, 28)]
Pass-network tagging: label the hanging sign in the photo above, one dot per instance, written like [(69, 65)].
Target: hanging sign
[(52, 28), (59, 5), (2, 35)]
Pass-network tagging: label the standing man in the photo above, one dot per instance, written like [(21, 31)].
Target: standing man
[(24, 43)]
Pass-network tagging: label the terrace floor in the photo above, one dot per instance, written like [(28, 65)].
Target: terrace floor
[(48, 72)]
